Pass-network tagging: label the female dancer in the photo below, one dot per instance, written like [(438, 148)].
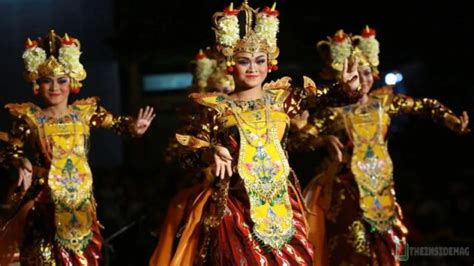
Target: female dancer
[(252, 213), (55, 222), (358, 220)]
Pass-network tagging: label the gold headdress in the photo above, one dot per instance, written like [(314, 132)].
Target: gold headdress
[(53, 55), (342, 46), (259, 32)]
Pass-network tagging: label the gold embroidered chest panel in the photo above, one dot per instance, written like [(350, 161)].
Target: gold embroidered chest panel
[(366, 126), (262, 162), (64, 143)]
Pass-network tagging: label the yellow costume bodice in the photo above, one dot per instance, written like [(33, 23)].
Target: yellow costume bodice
[(371, 164), (63, 143), (262, 163)]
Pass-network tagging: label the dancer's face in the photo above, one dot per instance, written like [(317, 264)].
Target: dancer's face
[(54, 89), (366, 78), (250, 69)]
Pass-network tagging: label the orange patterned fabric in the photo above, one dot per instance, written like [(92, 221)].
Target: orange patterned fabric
[(177, 212)]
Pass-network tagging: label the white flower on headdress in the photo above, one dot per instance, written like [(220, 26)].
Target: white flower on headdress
[(370, 48), (339, 52), (228, 31), (204, 68), (33, 58), (266, 27), (69, 58)]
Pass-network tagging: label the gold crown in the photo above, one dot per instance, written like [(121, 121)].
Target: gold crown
[(53, 55), (342, 46), (259, 32)]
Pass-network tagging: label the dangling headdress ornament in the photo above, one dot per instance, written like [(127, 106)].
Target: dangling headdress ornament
[(341, 46), (247, 30), (53, 55)]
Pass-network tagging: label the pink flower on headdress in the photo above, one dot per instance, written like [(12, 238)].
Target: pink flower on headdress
[(340, 36), (67, 40), (368, 32), (200, 55), (230, 11), (30, 44), (271, 11)]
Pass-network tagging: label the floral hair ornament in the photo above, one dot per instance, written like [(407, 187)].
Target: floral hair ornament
[(53, 56), (203, 68), (341, 46), (210, 71), (335, 50), (369, 49), (247, 30)]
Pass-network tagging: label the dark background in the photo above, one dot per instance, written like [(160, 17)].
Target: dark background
[(125, 39)]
